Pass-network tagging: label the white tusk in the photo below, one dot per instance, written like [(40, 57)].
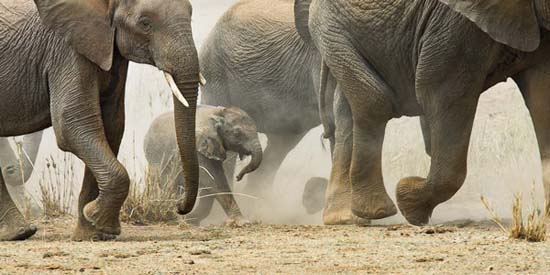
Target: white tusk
[(202, 80), (175, 90)]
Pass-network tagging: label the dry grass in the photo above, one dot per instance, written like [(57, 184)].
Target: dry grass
[(56, 188), (533, 229), (150, 201)]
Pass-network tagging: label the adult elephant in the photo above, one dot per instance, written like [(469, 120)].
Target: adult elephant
[(64, 64), (431, 58), (255, 60), (221, 132), (17, 167)]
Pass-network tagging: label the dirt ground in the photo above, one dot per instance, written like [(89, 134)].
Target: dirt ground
[(461, 247)]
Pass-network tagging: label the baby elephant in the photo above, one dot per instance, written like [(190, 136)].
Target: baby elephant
[(219, 132)]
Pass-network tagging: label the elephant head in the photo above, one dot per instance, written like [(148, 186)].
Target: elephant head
[(155, 32), (511, 22), (235, 131)]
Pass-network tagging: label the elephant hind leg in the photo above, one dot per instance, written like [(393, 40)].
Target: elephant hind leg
[(371, 105), (13, 226), (337, 209), (535, 88)]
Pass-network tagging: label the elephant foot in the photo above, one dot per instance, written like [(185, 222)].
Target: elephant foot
[(104, 219), (84, 231), (373, 207), (13, 226), (413, 199), (342, 216), (238, 221)]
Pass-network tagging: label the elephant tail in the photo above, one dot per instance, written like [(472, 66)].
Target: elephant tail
[(326, 103), (301, 18)]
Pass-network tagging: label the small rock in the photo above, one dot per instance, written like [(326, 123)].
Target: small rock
[(51, 254), (200, 251), (429, 259), (188, 262)]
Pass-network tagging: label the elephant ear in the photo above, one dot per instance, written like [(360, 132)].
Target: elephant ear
[(511, 22), (210, 145), (84, 24)]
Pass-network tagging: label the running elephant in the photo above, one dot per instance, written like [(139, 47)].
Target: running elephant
[(64, 64), (17, 167), (220, 132), (255, 60), (430, 58)]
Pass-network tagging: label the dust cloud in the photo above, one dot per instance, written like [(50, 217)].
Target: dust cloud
[(503, 158)]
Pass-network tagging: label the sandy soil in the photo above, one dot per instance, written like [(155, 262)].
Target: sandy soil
[(454, 248)]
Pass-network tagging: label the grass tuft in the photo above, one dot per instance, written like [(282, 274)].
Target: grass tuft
[(532, 230), (154, 203), (56, 188)]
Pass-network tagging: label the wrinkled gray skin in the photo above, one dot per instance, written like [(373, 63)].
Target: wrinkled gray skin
[(255, 60), (17, 168), (430, 58), (220, 132), (65, 66)]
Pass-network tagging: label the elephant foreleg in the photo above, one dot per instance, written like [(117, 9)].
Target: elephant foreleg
[(214, 187), (205, 202), (91, 126), (425, 125), (449, 99), (535, 87)]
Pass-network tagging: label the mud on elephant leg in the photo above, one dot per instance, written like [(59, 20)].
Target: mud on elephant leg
[(534, 85), (261, 181), (13, 226)]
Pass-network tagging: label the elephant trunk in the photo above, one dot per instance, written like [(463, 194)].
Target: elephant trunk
[(184, 118), (178, 59), (255, 161)]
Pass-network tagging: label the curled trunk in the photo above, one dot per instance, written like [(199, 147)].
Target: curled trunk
[(254, 163)]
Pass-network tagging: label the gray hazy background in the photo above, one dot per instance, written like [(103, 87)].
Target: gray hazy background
[(503, 156)]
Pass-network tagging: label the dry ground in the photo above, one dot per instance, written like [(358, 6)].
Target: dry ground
[(455, 248)]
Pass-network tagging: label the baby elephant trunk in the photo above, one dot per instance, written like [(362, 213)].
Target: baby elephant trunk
[(254, 163)]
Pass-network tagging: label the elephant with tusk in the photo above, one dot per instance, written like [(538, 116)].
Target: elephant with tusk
[(220, 132), (64, 64)]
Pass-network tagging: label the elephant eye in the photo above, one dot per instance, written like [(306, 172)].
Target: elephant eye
[(145, 23)]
